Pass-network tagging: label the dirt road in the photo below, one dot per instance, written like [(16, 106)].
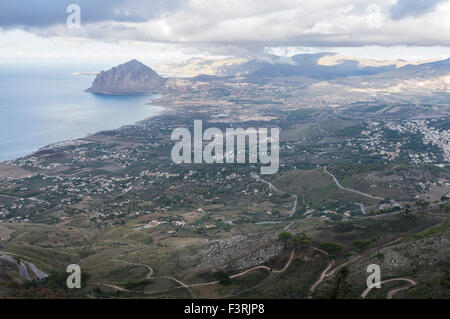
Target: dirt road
[(392, 292), (325, 273), (188, 286), (356, 191)]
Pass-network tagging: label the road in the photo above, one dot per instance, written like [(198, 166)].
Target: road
[(40, 274), (271, 186), (326, 272), (277, 190), (189, 286), (286, 228), (363, 209), (150, 269), (321, 278), (356, 191), (294, 207), (40, 201), (269, 222), (392, 292), (349, 189), (149, 276), (23, 272), (291, 257)]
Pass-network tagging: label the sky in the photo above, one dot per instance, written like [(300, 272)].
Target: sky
[(159, 31)]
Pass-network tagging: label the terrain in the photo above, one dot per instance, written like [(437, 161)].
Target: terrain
[(363, 179)]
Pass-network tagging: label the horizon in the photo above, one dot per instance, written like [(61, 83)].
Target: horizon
[(90, 66)]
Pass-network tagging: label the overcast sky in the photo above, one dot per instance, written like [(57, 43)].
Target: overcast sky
[(113, 31)]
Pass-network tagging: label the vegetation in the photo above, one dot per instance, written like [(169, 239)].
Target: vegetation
[(136, 284), (360, 245), (294, 240), (445, 280), (285, 237), (223, 278), (340, 288), (433, 230), (331, 247), (56, 280)]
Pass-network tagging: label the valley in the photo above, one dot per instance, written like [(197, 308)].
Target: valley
[(364, 178)]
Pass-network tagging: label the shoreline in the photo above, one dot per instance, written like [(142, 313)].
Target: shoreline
[(78, 140)]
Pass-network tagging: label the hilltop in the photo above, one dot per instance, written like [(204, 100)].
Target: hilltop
[(132, 77)]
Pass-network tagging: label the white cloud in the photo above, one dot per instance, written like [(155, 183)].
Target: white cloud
[(315, 23), (245, 27)]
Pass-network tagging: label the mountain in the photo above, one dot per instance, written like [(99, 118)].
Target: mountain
[(343, 73), (199, 66), (310, 65), (319, 66), (132, 77), (411, 80)]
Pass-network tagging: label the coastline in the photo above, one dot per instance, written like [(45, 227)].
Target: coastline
[(81, 140)]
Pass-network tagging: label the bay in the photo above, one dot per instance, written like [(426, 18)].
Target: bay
[(40, 107)]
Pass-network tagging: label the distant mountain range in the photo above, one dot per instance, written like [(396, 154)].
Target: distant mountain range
[(134, 77), (325, 65)]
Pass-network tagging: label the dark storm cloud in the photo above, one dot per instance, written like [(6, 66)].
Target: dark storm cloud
[(406, 8), (43, 13)]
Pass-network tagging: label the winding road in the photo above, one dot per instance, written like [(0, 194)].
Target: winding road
[(326, 273), (392, 292), (188, 286), (277, 190), (150, 269), (22, 267), (349, 189), (356, 191)]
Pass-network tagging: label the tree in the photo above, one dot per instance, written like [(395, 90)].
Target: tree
[(223, 277), (301, 240), (361, 244), (445, 280), (422, 205), (341, 287), (285, 237), (56, 280), (331, 247)]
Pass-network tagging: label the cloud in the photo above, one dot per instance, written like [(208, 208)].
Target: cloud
[(44, 13), (239, 27), (414, 8)]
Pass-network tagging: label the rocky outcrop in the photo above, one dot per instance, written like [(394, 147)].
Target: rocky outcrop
[(238, 252), (132, 77)]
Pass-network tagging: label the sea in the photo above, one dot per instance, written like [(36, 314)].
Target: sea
[(44, 105)]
